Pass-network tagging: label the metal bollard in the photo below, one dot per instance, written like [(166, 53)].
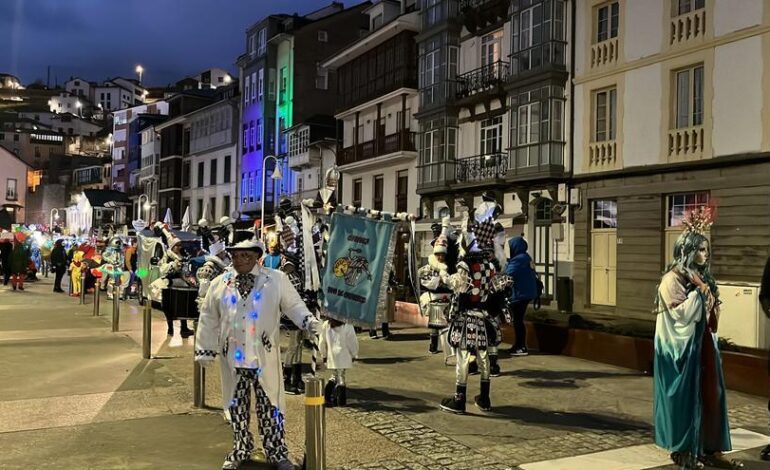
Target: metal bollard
[(199, 382), (115, 308), (83, 288), (147, 330), (97, 299), (315, 424)]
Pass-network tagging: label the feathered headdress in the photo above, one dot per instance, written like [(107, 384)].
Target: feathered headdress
[(699, 220)]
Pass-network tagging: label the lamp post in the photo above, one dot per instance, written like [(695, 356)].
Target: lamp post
[(140, 71), (276, 176), (79, 105), (53, 216), (145, 206)]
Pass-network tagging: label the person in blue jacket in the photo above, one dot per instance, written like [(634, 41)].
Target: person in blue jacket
[(520, 269)]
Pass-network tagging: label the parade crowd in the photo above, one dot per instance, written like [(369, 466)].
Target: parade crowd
[(248, 286)]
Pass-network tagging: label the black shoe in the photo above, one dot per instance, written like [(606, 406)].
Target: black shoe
[(373, 334), (482, 400), (291, 390), (455, 403), (494, 370), (340, 394), (473, 368), (186, 332), (518, 351), (385, 331), (765, 454), (297, 379), (170, 331), (329, 397), (286, 377)]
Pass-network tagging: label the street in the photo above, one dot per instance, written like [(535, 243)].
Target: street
[(73, 395)]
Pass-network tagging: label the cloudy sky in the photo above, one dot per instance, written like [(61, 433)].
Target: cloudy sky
[(98, 39)]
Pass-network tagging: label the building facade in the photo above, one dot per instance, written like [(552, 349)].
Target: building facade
[(13, 188), (125, 134), (670, 113)]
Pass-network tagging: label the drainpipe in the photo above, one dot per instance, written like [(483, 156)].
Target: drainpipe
[(571, 149)]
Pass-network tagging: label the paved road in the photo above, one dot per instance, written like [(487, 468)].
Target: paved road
[(73, 395)]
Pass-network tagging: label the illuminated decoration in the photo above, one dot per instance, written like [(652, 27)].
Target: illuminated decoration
[(257, 295), (233, 299), (141, 272), (700, 219), (238, 355), (254, 315), (253, 329)]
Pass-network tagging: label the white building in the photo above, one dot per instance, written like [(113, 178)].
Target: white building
[(81, 88), (310, 154), (149, 174), (13, 186), (119, 93), (66, 102), (378, 156), (122, 120), (64, 123), (209, 172), (672, 112)]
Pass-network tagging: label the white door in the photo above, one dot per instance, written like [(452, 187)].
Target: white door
[(603, 266)]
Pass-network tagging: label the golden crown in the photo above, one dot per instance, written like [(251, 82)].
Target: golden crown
[(699, 220)]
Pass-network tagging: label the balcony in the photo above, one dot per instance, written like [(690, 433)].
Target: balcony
[(402, 141), (686, 143), (309, 158), (297, 197), (436, 177), (602, 156), (481, 169), (482, 14), (687, 27), (150, 171), (604, 53), (547, 57), (482, 82)]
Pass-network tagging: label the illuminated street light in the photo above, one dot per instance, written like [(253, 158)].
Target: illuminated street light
[(140, 71)]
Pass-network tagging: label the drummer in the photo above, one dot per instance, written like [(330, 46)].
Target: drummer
[(170, 269)]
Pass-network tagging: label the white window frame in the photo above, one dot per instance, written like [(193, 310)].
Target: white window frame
[(262, 41), (491, 136), (258, 128), (612, 17), (684, 7), (608, 109), (687, 202), (245, 138), (253, 86), (688, 97), (528, 123), (491, 47), (606, 216), (260, 84), (322, 78), (246, 88)]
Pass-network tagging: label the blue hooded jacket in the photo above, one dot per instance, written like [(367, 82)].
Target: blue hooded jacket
[(520, 269)]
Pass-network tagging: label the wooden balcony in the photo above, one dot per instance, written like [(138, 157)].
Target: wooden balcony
[(435, 177), (605, 53), (687, 27), (402, 141)]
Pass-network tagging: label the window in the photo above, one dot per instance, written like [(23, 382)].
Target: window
[(491, 47), (253, 86), (689, 97), (321, 78), (252, 45), (225, 205), (604, 214), (607, 21), (260, 84), (406, 116), (246, 88), (10, 189), (282, 83), (213, 173), (429, 76), (678, 207), (376, 21), (323, 36), (252, 139), (357, 190), (259, 133), (200, 174), (604, 115), (262, 41), (529, 124), (244, 187), (432, 12), (681, 205), (682, 7), (252, 186), (402, 190), (200, 209), (491, 135), (377, 193), (16, 137), (226, 178), (245, 138), (213, 207)]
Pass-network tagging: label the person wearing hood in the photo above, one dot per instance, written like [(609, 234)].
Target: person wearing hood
[(58, 264), (170, 268), (521, 270)]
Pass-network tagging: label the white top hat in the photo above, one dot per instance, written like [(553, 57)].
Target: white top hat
[(250, 245), (225, 220)]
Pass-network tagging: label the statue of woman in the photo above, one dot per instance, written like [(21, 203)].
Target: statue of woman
[(690, 406)]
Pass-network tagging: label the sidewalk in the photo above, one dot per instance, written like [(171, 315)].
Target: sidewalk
[(73, 395)]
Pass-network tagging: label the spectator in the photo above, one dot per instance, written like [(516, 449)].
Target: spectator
[(524, 290), (58, 264), (20, 260)]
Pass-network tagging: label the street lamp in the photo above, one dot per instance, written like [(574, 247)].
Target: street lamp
[(145, 206), (79, 105), (140, 71), (275, 176), (53, 216)]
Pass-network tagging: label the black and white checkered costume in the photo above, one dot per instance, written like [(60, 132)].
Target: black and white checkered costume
[(270, 420)]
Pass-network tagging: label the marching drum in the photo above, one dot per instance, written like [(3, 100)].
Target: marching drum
[(180, 302)]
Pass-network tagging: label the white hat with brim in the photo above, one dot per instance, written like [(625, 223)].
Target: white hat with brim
[(225, 220), (247, 245)]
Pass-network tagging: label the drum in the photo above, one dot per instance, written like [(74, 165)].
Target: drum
[(180, 302)]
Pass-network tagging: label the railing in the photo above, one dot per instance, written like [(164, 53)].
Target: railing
[(481, 168), (149, 171), (687, 142), (602, 155), (402, 141), (482, 78), (605, 52), (688, 26)]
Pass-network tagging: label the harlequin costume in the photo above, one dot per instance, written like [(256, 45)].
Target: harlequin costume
[(435, 300), (472, 331), (240, 320)]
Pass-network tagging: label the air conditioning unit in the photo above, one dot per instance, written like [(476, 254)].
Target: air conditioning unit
[(742, 320)]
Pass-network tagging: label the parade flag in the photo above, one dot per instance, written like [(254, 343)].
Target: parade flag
[(359, 259)]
